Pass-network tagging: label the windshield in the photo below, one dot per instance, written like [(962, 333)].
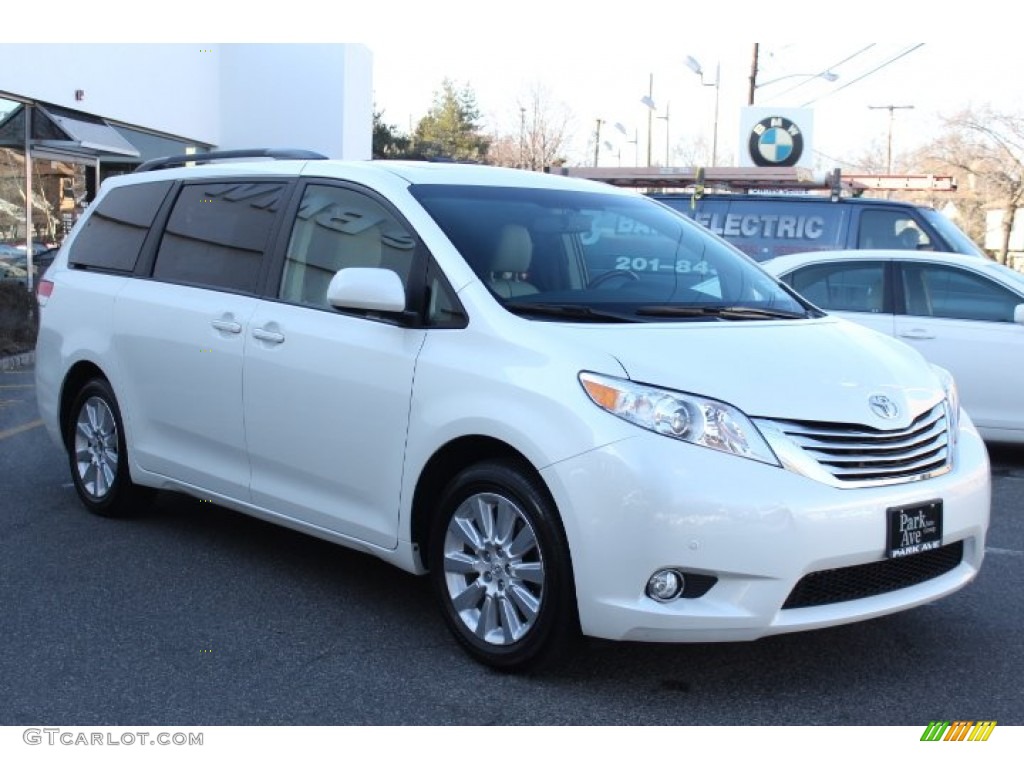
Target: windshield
[(1009, 275), (951, 233), (594, 257)]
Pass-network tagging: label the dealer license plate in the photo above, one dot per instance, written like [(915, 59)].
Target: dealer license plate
[(914, 529)]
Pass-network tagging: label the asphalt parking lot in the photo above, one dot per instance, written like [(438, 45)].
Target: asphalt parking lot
[(194, 615)]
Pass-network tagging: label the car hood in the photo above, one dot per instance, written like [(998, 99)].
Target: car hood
[(814, 370)]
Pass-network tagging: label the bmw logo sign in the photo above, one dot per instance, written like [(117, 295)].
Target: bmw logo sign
[(776, 141)]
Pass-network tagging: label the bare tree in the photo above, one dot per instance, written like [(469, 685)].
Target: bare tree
[(988, 146), (542, 136)]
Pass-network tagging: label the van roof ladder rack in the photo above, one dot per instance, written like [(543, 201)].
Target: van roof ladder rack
[(175, 161), (706, 179)]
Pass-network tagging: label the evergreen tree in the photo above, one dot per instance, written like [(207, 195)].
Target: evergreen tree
[(388, 141), (451, 129)]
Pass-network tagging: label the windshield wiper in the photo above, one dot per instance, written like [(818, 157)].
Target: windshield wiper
[(574, 311), (725, 313)]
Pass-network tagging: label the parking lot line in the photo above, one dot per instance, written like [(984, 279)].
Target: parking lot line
[(23, 428)]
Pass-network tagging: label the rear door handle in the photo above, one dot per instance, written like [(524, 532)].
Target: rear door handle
[(228, 326), (271, 337), (917, 333)]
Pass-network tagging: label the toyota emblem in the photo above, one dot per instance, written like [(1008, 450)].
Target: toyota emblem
[(883, 407)]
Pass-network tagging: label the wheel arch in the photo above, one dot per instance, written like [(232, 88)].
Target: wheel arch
[(445, 464), (77, 376)]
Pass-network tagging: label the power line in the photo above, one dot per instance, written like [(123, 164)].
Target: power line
[(848, 83), (827, 69)]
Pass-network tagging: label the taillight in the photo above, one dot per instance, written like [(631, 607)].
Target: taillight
[(43, 291)]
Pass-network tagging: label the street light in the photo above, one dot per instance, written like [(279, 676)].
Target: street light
[(665, 118), (694, 65), (635, 141), (648, 101), (827, 75)]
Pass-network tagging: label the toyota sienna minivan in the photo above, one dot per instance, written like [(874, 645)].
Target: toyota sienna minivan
[(576, 410)]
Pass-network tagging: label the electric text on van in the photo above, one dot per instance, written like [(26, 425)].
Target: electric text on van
[(445, 366)]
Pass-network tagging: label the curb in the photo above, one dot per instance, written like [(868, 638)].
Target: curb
[(14, 362)]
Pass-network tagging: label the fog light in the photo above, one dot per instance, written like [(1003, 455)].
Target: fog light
[(665, 585)]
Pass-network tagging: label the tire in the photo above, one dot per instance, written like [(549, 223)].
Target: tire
[(97, 454), (501, 569)]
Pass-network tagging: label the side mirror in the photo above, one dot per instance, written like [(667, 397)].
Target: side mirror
[(1018, 314), (369, 288)]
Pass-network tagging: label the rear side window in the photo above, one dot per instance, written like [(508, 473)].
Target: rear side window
[(935, 290), (113, 234), (842, 287), (217, 234)]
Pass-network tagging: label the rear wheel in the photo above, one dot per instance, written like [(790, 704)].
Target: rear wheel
[(97, 453), (501, 569)]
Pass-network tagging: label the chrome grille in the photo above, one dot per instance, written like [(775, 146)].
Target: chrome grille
[(855, 454)]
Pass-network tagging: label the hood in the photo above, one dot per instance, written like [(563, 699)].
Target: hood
[(808, 370)]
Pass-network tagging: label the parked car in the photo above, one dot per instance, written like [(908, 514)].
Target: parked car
[(10, 272), (765, 226), (573, 408), (14, 265), (963, 313)]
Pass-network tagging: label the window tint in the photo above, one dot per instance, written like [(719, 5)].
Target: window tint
[(217, 233), (935, 290), (337, 228), (858, 287), (891, 229), (113, 234)]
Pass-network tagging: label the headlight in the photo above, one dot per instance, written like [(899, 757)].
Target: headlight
[(952, 399), (685, 417)]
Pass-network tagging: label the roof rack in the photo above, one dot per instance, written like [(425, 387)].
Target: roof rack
[(744, 179), (175, 161)]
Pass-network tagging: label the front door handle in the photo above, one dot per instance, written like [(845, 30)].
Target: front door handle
[(228, 326), (271, 337), (917, 333)]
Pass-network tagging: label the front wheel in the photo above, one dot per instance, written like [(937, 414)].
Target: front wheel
[(501, 570), (97, 453)]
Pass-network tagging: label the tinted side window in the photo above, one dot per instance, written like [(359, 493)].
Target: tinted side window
[(891, 229), (113, 234), (337, 228), (858, 287), (935, 290), (217, 233)]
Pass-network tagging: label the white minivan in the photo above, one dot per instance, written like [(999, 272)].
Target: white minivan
[(577, 410)]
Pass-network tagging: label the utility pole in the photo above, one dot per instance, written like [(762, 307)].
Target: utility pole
[(888, 152), (522, 137), (650, 118), (597, 143), (665, 118), (753, 76)]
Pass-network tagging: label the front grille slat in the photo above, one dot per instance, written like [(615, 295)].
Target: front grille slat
[(877, 443), (908, 463), (859, 581), (858, 455)]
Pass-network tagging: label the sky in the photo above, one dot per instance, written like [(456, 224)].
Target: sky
[(594, 61)]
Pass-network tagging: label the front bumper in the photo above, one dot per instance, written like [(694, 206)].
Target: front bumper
[(649, 502)]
